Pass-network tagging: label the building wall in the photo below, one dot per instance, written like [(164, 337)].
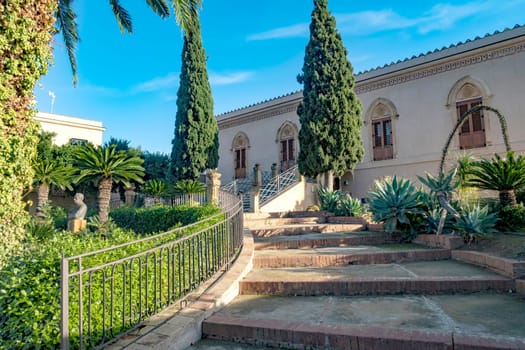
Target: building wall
[(69, 128), (420, 94)]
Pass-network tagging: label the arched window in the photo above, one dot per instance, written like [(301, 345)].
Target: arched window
[(287, 138), (472, 131), (239, 147), (380, 115)]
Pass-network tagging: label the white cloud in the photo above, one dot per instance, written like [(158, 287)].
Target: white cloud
[(297, 30), (168, 81), (444, 16), (230, 78), (440, 16)]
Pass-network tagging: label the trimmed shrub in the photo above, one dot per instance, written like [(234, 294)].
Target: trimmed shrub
[(160, 218), (511, 218)]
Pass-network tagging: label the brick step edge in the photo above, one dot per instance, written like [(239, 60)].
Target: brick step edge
[(385, 286), (507, 267), (264, 261), (299, 335), (324, 242)]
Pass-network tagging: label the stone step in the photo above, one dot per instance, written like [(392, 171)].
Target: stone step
[(316, 240), (421, 277), (298, 229), (341, 256), (478, 321)]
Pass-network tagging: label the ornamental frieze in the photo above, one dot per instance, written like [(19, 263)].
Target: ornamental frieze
[(445, 67)]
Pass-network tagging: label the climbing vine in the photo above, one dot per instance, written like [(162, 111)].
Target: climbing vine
[(26, 29)]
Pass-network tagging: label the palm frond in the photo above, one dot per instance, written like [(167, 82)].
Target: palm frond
[(186, 13), (68, 27), (122, 16), (160, 7)]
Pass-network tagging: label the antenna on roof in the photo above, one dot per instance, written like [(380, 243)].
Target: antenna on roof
[(52, 95)]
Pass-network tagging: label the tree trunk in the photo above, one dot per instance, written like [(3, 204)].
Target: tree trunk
[(329, 180), (507, 197), (42, 198), (103, 198)]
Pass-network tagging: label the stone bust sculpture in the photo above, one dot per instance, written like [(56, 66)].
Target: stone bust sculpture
[(79, 209)]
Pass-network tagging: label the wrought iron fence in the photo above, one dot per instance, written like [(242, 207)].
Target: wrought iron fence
[(108, 292)]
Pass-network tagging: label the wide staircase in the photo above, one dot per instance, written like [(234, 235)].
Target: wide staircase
[(335, 286)]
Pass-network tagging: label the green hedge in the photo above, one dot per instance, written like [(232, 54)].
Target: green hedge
[(29, 283), (160, 218)]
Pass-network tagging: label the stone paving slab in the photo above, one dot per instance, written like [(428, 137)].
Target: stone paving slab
[(497, 318), (209, 344)]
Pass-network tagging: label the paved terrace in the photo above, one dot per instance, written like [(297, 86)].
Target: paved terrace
[(352, 290)]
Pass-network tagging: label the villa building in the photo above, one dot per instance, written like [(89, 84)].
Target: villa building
[(71, 129), (409, 109)]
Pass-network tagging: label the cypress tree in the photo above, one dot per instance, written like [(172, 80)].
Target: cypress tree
[(196, 141), (330, 112)]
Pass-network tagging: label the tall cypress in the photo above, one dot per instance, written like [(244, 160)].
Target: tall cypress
[(330, 112), (195, 143)]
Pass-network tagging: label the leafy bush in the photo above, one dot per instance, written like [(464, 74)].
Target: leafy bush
[(475, 221), (30, 289), (30, 282), (511, 218), (392, 201), (160, 218)]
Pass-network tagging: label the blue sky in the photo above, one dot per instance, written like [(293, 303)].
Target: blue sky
[(255, 50)]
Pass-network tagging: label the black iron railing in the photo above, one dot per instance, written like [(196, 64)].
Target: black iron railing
[(108, 292)]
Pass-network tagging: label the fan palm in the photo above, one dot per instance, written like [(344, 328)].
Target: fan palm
[(107, 166), (500, 174), (47, 173), (185, 15)]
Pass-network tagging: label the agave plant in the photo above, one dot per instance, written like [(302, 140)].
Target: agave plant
[(351, 207), (330, 200), (392, 201), (442, 183), (476, 221), (501, 174)]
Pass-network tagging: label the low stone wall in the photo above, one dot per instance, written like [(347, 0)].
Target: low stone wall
[(507, 267), (439, 241)]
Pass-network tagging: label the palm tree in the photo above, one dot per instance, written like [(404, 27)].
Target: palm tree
[(106, 166), (48, 173), (186, 13), (500, 174)]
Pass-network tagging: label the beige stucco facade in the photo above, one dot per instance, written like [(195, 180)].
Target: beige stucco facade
[(418, 97), (71, 129)]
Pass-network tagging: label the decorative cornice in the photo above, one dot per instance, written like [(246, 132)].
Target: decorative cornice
[(228, 123), (441, 68)]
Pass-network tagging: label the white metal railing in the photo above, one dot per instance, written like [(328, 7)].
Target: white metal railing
[(278, 184)]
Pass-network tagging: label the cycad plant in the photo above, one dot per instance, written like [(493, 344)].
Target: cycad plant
[(106, 166), (392, 201), (504, 175), (156, 188), (51, 173), (190, 188)]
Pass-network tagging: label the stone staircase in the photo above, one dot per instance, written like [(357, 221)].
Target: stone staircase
[(354, 289)]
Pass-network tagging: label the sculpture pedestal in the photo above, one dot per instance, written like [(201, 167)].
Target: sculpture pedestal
[(76, 225)]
